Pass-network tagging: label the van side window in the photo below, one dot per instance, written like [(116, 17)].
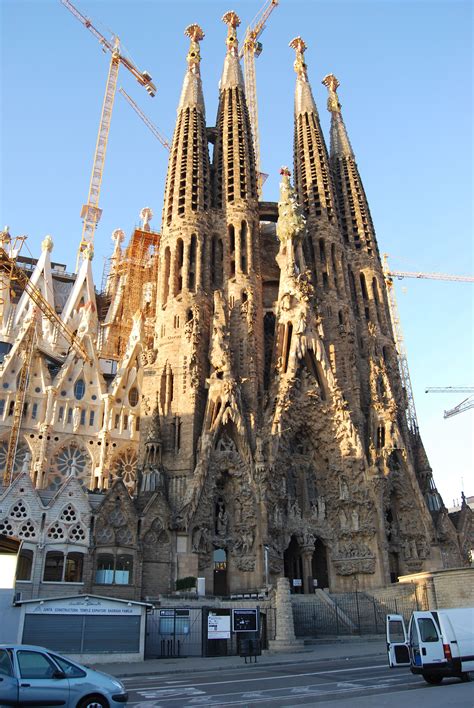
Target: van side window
[(427, 629)]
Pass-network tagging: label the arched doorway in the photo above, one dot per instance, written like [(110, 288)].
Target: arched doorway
[(219, 558), (320, 565), (293, 565)]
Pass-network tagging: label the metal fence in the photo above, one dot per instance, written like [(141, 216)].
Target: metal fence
[(181, 632), (350, 613)]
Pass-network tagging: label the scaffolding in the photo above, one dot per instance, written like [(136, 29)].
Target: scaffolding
[(134, 274)]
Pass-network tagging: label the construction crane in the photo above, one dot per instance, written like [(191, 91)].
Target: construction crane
[(465, 405), (14, 274), (253, 48), (91, 211), (398, 332), (146, 120), (431, 276)]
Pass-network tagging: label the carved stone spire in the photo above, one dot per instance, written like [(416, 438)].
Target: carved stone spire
[(340, 144), (191, 94), (234, 160), (188, 178), (312, 174)]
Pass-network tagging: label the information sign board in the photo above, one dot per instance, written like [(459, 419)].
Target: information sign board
[(218, 626), (245, 620)]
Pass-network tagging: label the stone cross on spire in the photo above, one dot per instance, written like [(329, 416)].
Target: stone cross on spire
[(299, 66), (196, 35), (232, 21), (331, 82)]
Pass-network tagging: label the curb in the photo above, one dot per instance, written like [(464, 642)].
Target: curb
[(283, 662)]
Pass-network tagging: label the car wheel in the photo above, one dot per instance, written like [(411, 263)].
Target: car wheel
[(433, 679), (465, 677), (93, 702)]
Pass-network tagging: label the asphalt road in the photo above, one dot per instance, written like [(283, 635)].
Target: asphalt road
[(355, 683)]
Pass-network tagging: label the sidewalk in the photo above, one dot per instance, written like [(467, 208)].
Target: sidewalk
[(372, 648)]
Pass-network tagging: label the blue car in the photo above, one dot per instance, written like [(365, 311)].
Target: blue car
[(35, 676)]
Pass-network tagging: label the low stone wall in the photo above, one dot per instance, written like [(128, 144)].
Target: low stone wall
[(453, 587)]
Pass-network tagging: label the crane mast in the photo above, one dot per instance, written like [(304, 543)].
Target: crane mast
[(146, 120), (252, 48), (22, 385), (398, 334), (91, 211)]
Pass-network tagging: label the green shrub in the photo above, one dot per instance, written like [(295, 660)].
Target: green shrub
[(186, 583)]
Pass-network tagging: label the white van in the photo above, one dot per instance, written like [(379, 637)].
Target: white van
[(439, 643)]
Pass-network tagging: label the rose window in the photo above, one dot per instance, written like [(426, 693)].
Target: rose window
[(69, 514), (27, 530), (77, 533), (71, 461), (6, 528), (124, 468), (18, 510), (105, 536), (56, 532), (123, 536), (21, 452)]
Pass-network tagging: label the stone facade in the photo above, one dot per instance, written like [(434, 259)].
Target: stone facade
[(241, 415)]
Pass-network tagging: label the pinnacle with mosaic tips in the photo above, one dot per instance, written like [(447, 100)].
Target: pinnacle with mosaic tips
[(332, 83), (299, 45), (196, 35), (232, 20)]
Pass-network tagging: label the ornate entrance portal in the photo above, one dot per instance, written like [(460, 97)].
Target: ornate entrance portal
[(220, 571), (293, 564), (319, 565)]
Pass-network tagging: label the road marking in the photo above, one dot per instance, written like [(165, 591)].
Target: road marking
[(319, 690), (370, 667)]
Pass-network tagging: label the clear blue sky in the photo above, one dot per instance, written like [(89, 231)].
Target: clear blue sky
[(405, 68)]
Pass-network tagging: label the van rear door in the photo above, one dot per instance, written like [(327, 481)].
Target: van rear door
[(397, 644), (431, 642)]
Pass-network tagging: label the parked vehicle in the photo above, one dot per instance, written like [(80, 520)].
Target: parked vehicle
[(438, 644), (31, 675)]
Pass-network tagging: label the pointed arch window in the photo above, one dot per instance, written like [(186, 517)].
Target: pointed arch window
[(79, 389), (178, 273), (192, 263), (365, 295), (166, 275), (231, 232), (217, 254), (243, 246)]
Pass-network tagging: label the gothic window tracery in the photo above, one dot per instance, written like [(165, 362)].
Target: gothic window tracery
[(71, 460), (124, 467), (21, 453)]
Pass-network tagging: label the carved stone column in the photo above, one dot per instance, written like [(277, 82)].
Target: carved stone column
[(285, 639), (307, 558)]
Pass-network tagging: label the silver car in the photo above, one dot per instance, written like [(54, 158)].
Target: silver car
[(35, 676)]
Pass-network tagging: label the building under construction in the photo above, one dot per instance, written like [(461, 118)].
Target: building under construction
[(231, 406)]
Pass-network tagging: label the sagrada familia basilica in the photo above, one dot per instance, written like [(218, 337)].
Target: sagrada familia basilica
[(239, 413)]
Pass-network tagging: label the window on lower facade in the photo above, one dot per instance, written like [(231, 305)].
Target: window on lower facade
[(59, 568), (114, 570), (25, 564)]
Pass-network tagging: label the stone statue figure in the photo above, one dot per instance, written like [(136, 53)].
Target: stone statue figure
[(222, 521)]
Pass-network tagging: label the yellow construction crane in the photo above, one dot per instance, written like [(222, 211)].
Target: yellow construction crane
[(398, 333), (91, 211), (14, 274), (146, 120), (253, 48), (465, 404)]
